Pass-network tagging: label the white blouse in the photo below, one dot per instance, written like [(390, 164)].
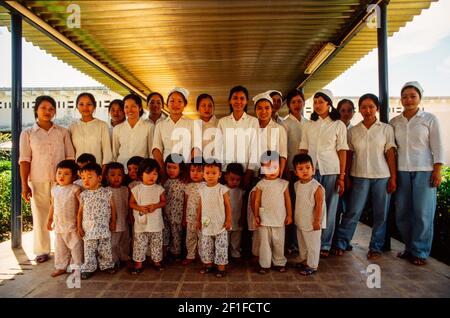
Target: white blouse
[(273, 137), (145, 195), (240, 140), (208, 133), (419, 142), (132, 141), (294, 135), (171, 137), (272, 201), (369, 147), (213, 209), (92, 137), (305, 203), (323, 139)]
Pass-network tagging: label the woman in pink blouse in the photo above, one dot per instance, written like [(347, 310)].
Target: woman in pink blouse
[(42, 147)]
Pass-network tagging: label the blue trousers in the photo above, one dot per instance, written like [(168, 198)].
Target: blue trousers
[(331, 200), (415, 208), (380, 198)]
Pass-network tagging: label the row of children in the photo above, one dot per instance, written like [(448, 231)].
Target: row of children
[(92, 221)]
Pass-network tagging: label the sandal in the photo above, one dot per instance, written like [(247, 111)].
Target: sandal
[(86, 275), (206, 270), (58, 272), (404, 255), (372, 255), (281, 269), (263, 270), (307, 271), (337, 251), (41, 258), (324, 253), (220, 274), (418, 261)]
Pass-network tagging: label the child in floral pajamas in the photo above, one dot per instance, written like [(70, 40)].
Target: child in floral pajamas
[(96, 220)]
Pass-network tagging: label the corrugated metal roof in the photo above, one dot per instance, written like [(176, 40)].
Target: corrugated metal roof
[(210, 46)]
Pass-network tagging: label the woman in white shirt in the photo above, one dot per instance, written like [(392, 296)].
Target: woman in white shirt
[(373, 171), (324, 138), (89, 134), (155, 104), (420, 159), (174, 134), (240, 134), (208, 124), (272, 136), (133, 137)]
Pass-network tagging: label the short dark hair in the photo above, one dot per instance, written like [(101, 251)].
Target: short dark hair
[(92, 166), (43, 98), (86, 157), (212, 162), (269, 155), (68, 164), (334, 114), (345, 101), (237, 89), (197, 161), (89, 95), (235, 168), (370, 96), (148, 165), (153, 94), (114, 165), (175, 158), (302, 158), (118, 102), (135, 160), (137, 100), (201, 97)]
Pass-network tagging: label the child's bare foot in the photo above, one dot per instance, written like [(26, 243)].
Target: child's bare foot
[(187, 261), (58, 272)]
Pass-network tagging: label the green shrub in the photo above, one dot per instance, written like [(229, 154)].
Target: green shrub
[(5, 154), (5, 207), (441, 240)]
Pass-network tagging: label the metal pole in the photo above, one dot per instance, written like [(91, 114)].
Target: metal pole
[(383, 85), (16, 128), (383, 62)]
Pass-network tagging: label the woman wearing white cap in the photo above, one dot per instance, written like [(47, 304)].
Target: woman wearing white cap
[(175, 130), (420, 159), (272, 136), (240, 134), (277, 100), (324, 138), (133, 137)]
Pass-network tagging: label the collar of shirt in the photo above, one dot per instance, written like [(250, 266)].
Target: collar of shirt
[(376, 123), (182, 118), (243, 117), (419, 113), (91, 122), (321, 120), (302, 119), (141, 121), (36, 127)]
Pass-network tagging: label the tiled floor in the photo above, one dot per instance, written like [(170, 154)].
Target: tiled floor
[(344, 276)]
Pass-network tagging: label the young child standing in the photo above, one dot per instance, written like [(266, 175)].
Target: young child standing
[(174, 188), (83, 160), (191, 199), (63, 218), (214, 219), (272, 212), (96, 220), (120, 238), (310, 214), (146, 200), (233, 176)]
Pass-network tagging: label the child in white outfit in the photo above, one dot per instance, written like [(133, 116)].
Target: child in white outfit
[(272, 212), (146, 200), (63, 218), (310, 214), (214, 219), (233, 176)]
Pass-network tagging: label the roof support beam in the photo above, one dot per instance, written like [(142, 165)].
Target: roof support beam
[(47, 29), (16, 128), (383, 83)]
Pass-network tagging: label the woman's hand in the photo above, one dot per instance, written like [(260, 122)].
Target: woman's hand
[(49, 225), (26, 192), (340, 186), (392, 185), (436, 178)]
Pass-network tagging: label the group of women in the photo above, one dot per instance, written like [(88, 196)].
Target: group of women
[(371, 159)]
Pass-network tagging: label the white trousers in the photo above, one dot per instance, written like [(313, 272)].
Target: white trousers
[(309, 247), (40, 207), (271, 249), (68, 246)]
